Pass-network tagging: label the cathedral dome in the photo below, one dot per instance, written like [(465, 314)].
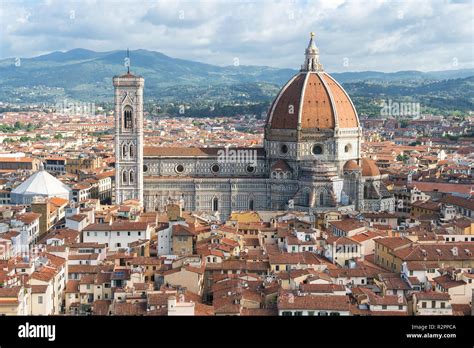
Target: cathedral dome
[(369, 168), (351, 165), (312, 99)]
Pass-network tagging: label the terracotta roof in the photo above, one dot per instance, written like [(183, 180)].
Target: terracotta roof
[(87, 279), (72, 286), (322, 288), (57, 201), (315, 101), (10, 292), (432, 295), (129, 75), (443, 187), (459, 201), (436, 252), (446, 282), (39, 289), (347, 225), (144, 260), (16, 159), (334, 240), (180, 230), (351, 165), (125, 308), (152, 151), (27, 218), (461, 309), (369, 168), (289, 97), (306, 258), (346, 113), (101, 307), (281, 165), (314, 302), (394, 242), (82, 269), (44, 274), (77, 217), (119, 226), (362, 237)]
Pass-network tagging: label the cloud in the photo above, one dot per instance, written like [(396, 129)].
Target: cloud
[(352, 35)]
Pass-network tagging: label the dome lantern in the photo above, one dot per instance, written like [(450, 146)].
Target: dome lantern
[(311, 62)]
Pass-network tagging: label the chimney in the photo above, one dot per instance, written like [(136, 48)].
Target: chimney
[(171, 302)]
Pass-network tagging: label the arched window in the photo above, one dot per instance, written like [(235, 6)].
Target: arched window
[(251, 206), (124, 177), (321, 199), (215, 204), (127, 118), (124, 151), (131, 151), (132, 175), (306, 197)]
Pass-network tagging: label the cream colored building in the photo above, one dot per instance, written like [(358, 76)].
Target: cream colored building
[(14, 301)]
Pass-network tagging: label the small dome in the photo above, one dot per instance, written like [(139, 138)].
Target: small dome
[(351, 165), (282, 166), (369, 168)]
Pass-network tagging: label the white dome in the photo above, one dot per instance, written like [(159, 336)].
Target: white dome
[(39, 184)]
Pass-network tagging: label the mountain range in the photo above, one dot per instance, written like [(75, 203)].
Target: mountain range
[(85, 75)]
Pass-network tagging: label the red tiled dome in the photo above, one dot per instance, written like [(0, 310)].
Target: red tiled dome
[(313, 100), (369, 168), (351, 165)]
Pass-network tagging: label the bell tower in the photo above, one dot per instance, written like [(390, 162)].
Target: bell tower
[(128, 101)]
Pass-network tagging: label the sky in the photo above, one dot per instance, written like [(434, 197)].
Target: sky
[(352, 35)]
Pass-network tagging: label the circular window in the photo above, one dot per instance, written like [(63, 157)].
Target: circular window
[(348, 148), (284, 149), (317, 150), (145, 168), (250, 168), (179, 168), (215, 168)]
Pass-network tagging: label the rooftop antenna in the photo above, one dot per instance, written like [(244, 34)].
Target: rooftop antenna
[(128, 61)]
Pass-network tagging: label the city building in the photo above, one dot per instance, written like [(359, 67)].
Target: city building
[(118, 234), (311, 159), (40, 184)]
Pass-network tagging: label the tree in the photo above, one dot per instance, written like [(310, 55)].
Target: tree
[(402, 158)]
